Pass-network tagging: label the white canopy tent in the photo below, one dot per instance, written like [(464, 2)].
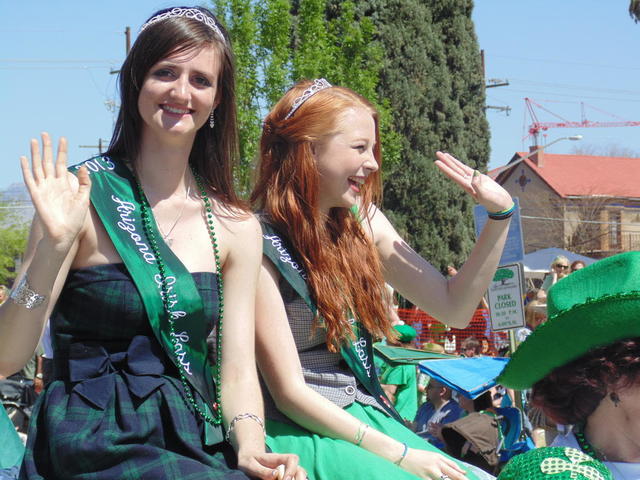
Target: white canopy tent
[(537, 264)]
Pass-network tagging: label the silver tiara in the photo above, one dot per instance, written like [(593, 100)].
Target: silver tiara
[(188, 13), (318, 84)]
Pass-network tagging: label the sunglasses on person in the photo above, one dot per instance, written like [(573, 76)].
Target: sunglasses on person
[(564, 267)]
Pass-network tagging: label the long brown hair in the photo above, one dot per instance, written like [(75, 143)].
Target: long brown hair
[(341, 262), (215, 151)]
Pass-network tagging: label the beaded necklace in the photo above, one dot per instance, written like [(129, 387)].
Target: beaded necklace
[(146, 213), (584, 444), (589, 449)]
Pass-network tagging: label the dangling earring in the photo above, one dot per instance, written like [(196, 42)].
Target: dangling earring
[(212, 121), (614, 398)]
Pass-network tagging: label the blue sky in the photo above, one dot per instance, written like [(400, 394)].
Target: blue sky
[(56, 59)]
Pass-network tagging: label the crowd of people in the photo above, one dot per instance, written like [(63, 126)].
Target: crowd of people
[(196, 335)]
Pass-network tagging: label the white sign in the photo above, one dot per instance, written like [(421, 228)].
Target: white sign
[(505, 298)]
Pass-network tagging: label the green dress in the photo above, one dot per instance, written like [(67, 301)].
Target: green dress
[(323, 457), (404, 377)]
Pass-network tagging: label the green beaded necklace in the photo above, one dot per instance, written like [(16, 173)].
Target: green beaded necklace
[(584, 444), (146, 213)]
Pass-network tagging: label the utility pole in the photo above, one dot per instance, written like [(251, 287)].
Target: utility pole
[(127, 46), (100, 146), (493, 83)]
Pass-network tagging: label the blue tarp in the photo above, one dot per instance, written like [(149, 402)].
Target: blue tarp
[(469, 376)]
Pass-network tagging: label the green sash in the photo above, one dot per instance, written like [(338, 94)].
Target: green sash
[(358, 354), (114, 197)]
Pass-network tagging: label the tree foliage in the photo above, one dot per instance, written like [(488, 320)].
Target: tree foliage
[(277, 42), (14, 231), (432, 76), (634, 10), (239, 17)]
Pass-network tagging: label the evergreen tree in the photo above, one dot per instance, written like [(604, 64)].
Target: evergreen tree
[(432, 76), (634, 10)]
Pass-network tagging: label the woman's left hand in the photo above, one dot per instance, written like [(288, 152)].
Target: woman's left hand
[(265, 466), (483, 189)]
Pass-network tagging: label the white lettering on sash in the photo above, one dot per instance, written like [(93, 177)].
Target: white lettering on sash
[(127, 223), (182, 337), (95, 165), (360, 347), (284, 255)]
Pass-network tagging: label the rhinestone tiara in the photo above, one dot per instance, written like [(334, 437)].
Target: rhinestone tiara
[(188, 13), (318, 85)]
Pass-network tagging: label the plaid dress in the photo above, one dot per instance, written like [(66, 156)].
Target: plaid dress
[(116, 408)]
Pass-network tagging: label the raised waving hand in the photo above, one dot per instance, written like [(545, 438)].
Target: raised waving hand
[(483, 189), (61, 201)]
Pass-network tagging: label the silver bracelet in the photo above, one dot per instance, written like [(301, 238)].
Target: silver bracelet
[(242, 416), (23, 295), (405, 450)]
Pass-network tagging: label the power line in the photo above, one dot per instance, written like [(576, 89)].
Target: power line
[(577, 87), (580, 221), (572, 96), (565, 62)]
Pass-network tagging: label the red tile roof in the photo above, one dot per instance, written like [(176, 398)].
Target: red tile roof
[(586, 175)]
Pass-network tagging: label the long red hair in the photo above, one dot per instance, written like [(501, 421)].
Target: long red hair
[(342, 265)]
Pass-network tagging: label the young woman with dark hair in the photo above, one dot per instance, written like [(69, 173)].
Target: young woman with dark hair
[(583, 364), (321, 293), (134, 260)]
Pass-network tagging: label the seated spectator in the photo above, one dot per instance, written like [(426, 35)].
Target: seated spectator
[(439, 409), (399, 382), (535, 314), (486, 348), (470, 347), (584, 365), (475, 438), (577, 265), (559, 270)]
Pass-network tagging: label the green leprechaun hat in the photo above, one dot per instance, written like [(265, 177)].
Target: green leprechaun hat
[(593, 307)]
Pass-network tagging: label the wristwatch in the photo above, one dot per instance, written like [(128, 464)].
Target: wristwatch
[(39, 375)]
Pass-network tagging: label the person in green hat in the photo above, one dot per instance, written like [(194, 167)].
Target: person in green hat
[(554, 463), (400, 381), (583, 364)]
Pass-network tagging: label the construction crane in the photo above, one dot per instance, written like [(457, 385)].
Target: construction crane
[(536, 127)]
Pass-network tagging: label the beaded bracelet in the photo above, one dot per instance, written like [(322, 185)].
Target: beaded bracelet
[(503, 214), (242, 416), (404, 454), (362, 430)]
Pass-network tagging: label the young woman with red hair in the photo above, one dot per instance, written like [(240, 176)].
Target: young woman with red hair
[(321, 296)]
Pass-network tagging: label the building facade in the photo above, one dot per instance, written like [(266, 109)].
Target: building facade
[(582, 203)]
